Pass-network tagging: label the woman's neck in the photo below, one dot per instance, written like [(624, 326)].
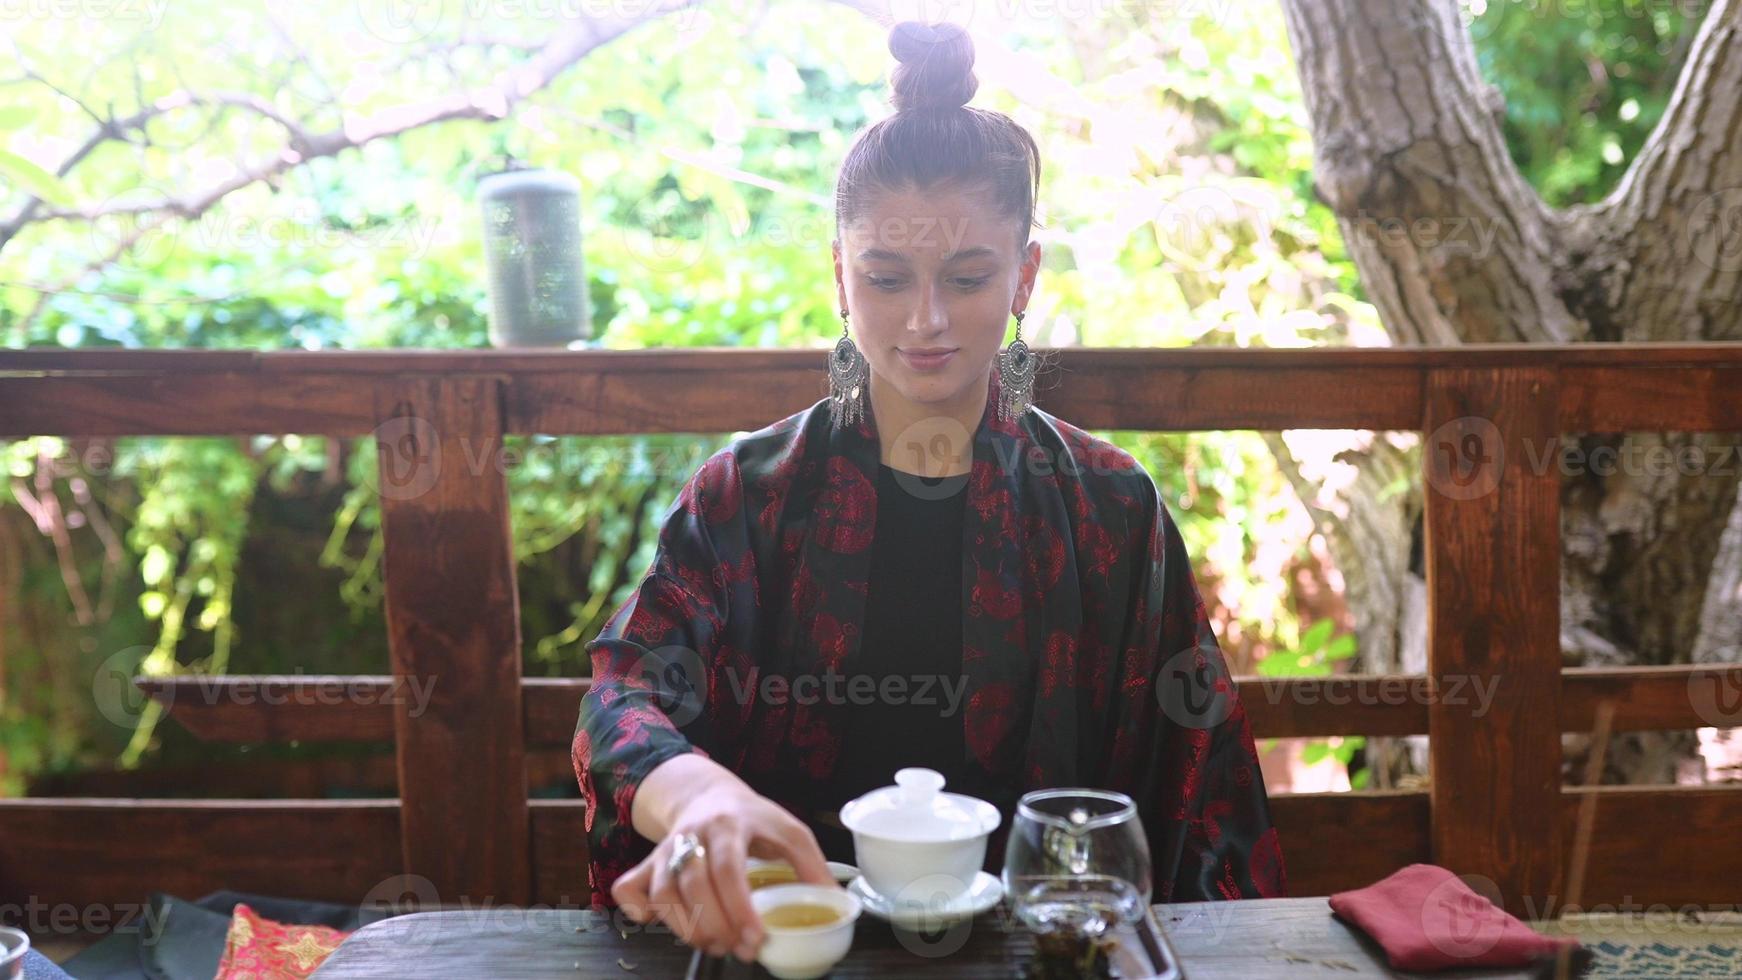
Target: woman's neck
[(928, 438)]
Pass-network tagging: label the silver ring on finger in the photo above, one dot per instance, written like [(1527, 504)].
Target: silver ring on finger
[(685, 847)]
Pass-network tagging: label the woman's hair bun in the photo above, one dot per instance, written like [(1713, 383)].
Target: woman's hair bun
[(936, 69)]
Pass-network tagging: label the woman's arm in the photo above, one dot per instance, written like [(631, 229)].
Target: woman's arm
[(639, 743)]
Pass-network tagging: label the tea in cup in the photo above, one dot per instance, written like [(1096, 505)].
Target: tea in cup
[(808, 928), (763, 872)]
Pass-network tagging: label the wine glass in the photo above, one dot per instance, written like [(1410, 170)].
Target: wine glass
[(1077, 863)]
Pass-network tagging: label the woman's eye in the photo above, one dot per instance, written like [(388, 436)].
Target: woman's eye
[(881, 282)]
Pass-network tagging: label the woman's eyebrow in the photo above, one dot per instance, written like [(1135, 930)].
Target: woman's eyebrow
[(874, 254)]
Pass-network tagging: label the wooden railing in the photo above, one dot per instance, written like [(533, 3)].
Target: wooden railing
[(463, 822)]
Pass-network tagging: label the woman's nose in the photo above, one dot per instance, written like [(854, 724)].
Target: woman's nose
[(931, 318)]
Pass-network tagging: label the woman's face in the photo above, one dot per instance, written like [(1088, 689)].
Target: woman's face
[(934, 273)]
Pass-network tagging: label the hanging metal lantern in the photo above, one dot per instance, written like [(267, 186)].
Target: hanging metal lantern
[(532, 247)]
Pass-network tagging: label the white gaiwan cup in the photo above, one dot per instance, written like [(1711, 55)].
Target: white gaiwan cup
[(810, 951), (912, 838)]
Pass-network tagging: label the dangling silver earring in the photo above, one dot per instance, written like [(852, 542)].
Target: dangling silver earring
[(848, 372), (1015, 376)]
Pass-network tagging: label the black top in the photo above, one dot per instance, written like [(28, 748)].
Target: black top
[(905, 709)]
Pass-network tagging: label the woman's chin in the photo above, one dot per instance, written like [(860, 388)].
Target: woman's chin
[(932, 389)]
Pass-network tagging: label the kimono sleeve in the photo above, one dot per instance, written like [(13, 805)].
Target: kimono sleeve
[(651, 663), (1182, 744)]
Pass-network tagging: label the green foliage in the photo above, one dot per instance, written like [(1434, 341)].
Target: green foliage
[(1315, 654), (1177, 208), (1584, 84)]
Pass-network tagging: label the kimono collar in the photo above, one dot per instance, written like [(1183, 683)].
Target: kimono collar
[(996, 441)]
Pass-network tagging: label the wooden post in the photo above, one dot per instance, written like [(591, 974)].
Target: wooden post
[(1492, 462), (453, 618)]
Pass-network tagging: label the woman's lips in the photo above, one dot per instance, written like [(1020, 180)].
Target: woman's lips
[(926, 362)]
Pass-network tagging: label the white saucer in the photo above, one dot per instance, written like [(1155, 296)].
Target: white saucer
[(981, 896)]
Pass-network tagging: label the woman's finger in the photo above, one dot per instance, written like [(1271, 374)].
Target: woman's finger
[(664, 900), (798, 846), (709, 927), (732, 885), (630, 889)]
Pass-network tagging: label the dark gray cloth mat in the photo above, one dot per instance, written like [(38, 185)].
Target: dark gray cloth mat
[(40, 967), (183, 940)]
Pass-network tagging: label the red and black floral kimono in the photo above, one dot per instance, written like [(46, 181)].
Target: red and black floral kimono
[(1088, 655)]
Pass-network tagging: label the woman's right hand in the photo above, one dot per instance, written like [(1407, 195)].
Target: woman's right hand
[(708, 903)]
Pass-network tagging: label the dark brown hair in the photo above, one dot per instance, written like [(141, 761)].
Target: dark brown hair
[(934, 139)]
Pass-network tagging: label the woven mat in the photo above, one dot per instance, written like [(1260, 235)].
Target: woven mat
[(1656, 945)]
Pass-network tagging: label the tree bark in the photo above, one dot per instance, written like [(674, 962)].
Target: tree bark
[(1455, 247)]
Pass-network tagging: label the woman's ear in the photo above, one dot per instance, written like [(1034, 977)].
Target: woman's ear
[(840, 276), (1026, 275)]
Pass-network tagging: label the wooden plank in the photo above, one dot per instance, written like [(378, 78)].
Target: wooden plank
[(1682, 696), (552, 707), (286, 708), (352, 775), (1493, 580), (453, 617), (1343, 704), (1260, 939), (559, 852), (734, 398), (174, 404), (1151, 395), (63, 360), (241, 708), (1285, 939), (400, 361), (91, 852), (598, 392), (1674, 845), (1637, 398), (1336, 841), (97, 853)]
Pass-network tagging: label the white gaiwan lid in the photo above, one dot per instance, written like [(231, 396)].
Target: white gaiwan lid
[(914, 810)]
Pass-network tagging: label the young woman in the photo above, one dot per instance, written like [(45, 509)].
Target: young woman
[(921, 569)]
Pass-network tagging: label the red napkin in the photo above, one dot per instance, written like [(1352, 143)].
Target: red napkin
[(1428, 919)]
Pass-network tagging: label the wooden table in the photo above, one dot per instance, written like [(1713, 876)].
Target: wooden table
[(1284, 938)]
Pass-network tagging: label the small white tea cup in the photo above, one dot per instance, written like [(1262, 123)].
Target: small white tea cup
[(805, 952)]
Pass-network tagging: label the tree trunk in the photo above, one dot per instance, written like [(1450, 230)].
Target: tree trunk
[(1455, 247)]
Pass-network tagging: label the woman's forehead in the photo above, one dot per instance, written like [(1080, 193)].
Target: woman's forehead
[(938, 227)]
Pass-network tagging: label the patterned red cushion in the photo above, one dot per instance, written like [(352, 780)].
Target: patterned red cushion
[(258, 948)]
